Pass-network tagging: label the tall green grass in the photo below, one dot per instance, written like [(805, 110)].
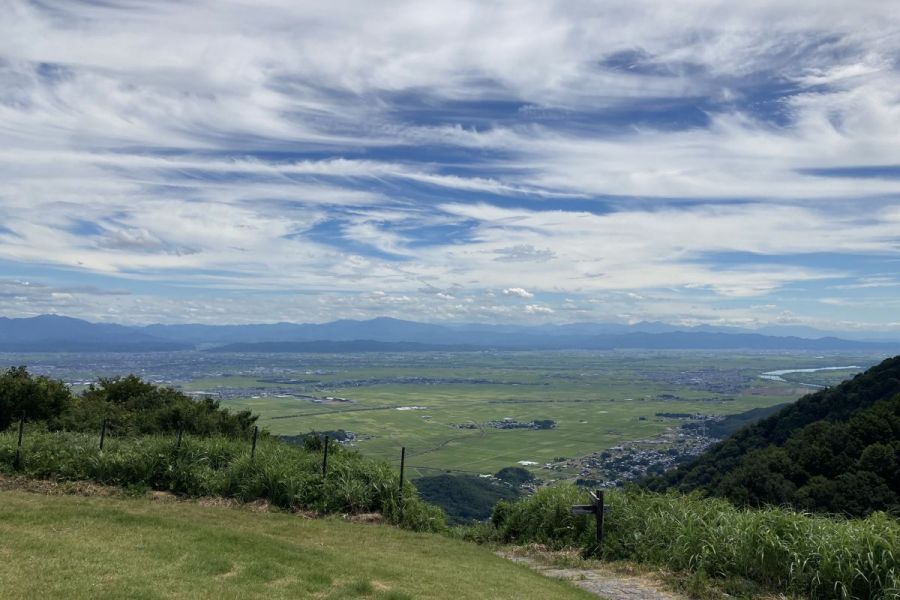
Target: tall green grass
[(286, 476), (816, 556)]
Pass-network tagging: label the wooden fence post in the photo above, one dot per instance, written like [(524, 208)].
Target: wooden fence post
[(17, 464), (253, 449), (180, 433), (325, 459)]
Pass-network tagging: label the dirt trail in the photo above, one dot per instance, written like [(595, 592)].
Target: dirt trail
[(600, 581)]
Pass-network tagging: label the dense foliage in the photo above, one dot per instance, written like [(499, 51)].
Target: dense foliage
[(836, 450), (464, 497), (814, 556), (287, 476), (731, 423), (38, 398), (313, 439), (514, 476), (128, 404)]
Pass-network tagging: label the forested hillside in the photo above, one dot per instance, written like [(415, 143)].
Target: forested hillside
[(836, 450)]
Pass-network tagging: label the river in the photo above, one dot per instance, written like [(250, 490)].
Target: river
[(777, 375)]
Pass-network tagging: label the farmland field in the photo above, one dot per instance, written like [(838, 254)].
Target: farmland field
[(448, 409)]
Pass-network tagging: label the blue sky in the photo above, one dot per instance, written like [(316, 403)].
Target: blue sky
[(512, 162)]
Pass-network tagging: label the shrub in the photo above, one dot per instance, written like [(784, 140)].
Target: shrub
[(289, 477), (544, 518)]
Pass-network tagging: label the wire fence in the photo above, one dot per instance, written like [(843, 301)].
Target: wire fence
[(326, 444), (399, 460)]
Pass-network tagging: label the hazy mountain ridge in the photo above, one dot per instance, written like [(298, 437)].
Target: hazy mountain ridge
[(390, 329), (50, 332), (53, 333)]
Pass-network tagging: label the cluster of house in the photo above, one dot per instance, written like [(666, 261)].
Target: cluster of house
[(634, 460)]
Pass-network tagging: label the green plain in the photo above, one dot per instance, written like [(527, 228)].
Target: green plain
[(598, 399)]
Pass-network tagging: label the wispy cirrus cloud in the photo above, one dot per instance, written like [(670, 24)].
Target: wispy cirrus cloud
[(725, 158)]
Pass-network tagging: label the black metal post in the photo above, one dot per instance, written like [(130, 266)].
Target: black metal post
[(400, 490), (325, 459), (18, 462), (253, 449), (180, 433), (402, 466), (599, 506), (102, 434)]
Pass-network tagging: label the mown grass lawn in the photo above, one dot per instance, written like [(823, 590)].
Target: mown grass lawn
[(97, 547)]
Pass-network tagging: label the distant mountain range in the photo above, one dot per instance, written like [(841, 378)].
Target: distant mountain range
[(47, 333), (52, 333)]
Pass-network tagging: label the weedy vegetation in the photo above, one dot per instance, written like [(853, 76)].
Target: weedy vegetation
[(815, 556), (286, 476)]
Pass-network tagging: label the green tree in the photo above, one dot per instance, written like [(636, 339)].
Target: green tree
[(132, 405), (764, 478), (39, 398)]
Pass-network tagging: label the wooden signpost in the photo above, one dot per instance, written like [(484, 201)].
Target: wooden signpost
[(597, 508)]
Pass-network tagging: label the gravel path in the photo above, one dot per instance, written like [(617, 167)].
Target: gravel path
[(604, 584)]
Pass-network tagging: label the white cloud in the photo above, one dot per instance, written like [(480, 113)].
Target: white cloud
[(537, 309), (340, 149), (518, 292)]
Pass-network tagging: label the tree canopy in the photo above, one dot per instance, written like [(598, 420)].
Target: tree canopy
[(128, 404)]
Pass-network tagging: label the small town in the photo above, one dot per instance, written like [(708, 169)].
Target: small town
[(632, 461)]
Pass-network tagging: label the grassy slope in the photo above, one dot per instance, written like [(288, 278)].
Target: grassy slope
[(79, 547)]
